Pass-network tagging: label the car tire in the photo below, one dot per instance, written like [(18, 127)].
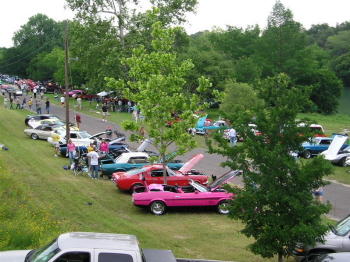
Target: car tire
[(157, 208), (34, 136), (223, 207), (342, 161), (133, 186), (307, 154)]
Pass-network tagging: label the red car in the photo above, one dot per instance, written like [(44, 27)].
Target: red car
[(153, 174)]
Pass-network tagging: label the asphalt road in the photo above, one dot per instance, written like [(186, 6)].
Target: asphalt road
[(337, 194)]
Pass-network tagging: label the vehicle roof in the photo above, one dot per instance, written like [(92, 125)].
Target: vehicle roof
[(98, 241), (341, 257), (133, 154)]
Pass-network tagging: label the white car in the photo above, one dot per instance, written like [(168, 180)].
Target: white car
[(79, 138), (334, 153)]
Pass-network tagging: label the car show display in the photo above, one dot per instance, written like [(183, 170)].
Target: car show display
[(157, 198)]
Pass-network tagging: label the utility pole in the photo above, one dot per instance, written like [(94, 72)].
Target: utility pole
[(66, 64)]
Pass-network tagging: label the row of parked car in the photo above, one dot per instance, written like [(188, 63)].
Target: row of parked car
[(132, 170)]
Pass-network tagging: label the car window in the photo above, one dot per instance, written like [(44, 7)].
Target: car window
[(156, 173), (325, 142), (73, 135)]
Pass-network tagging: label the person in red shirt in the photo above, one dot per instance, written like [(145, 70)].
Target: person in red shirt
[(77, 120)]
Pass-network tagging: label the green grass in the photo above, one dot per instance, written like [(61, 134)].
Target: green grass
[(33, 171)]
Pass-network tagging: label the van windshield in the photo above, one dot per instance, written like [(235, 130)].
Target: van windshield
[(44, 253), (342, 227)]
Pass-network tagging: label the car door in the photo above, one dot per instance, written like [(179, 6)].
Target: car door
[(191, 199), (154, 176), (40, 131), (323, 145)]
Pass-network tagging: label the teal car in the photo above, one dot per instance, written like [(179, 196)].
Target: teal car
[(131, 160)]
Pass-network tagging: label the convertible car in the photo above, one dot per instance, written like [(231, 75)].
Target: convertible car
[(157, 198), (130, 160), (153, 174)]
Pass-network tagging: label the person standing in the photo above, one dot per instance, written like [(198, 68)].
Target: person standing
[(79, 102), (18, 104), (77, 119), (93, 157), (55, 139), (41, 94), (30, 102), (38, 107), (71, 151), (47, 106), (120, 104), (5, 102), (142, 131), (232, 135), (104, 112), (129, 106), (318, 194), (109, 132), (104, 146), (11, 102), (35, 90), (90, 149), (62, 100), (24, 103)]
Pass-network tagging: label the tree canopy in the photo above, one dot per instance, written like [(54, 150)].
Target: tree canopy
[(155, 85)]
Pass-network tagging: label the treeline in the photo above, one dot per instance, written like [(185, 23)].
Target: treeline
[(315, 59)]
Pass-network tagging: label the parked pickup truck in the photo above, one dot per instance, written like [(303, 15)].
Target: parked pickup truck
[(336, 240), (91, 247)]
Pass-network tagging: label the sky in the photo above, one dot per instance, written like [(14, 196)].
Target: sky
[(210, 13)]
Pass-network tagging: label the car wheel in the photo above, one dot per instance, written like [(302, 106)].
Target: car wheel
[(223, 207), (157, 207), (342, 162), (133, 186), (34, 136), (307, 154)]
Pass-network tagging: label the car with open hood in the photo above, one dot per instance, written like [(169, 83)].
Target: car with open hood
[(338, 150), (153, 174), (318, 145), (157, 198)]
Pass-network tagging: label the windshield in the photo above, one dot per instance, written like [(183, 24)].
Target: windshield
[(342, 227), (135, 171), (199, 187), (57, 122), (84, 135), (45, 253), (170, 172)]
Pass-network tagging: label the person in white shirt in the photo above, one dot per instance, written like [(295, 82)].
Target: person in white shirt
[(232, 135)]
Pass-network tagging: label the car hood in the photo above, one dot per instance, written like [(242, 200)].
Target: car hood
[(334, 147), (98, 134), (190, 163), (200, 122), (224, 179), (14, 256)]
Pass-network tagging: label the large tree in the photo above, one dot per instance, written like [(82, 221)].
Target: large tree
[(276, 204), (158, 81), (279, 42), (106, 31)]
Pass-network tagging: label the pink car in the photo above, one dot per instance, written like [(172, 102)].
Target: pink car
[(157, 198)]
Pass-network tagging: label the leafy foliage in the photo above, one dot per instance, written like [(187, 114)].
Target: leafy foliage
[(277, 189), (156, 86)]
